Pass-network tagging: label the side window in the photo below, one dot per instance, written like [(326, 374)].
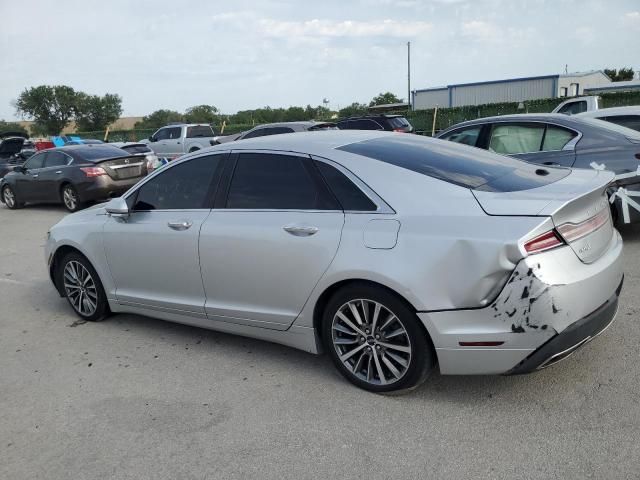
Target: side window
[(555, 138), (348, 194), (35, 161), (259, 132), (277, 182), (56, 159), (162, 134), (279, 130), (510, 139), (199, 131), (629, 121), (466, 136), (174, 133), (180, 187), (574, 107), (365, 124)]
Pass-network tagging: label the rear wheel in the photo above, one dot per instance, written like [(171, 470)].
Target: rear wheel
[(10, 199), (375, 340), (70, 198), (82, 287)]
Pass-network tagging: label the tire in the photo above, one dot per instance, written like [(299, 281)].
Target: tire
[(394, 357), (70, 198), (71, 275), (10, 199)]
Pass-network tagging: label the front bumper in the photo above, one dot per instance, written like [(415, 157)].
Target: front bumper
[(572, 338)]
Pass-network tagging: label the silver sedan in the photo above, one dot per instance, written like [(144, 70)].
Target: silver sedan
[(392, 253)]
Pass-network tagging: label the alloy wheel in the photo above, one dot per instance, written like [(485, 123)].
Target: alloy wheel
[(9, 197), (69, 198), (371, 342), (80, 288)]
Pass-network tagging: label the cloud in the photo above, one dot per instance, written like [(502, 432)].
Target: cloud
[(632, 18), (346, 28), (481, 30)]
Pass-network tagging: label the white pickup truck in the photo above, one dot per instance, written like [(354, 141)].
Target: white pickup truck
[(174, 140), (579, 105)]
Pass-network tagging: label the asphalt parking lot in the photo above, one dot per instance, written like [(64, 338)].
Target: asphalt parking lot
[(134, 397)]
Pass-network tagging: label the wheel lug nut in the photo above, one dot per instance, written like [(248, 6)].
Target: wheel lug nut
[(377, 337), (378, 347)]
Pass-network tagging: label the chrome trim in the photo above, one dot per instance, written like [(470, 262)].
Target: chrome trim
[(117, 167)]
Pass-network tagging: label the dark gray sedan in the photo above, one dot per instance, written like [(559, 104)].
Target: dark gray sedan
[(72, 175), (556, 139), (276, 129)]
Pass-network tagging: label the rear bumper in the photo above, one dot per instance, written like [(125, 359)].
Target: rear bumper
[(572, 338), (105, 187)]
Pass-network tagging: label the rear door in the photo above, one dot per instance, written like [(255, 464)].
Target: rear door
[(153, 254), (535, 142), (276, 232), (55, 164)]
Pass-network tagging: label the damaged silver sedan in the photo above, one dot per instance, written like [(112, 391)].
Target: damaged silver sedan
[(392, 253)]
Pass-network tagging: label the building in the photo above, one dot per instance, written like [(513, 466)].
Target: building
[(510, 90), (628, 86)]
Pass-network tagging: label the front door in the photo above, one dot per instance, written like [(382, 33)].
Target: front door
[(27, 185), (153, 254), (266, 248)]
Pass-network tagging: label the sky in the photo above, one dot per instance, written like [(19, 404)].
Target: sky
[(244, 54)]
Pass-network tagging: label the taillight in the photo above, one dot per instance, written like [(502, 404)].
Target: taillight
[(546, 241), (93, 171), (574, 231), (401, 130)]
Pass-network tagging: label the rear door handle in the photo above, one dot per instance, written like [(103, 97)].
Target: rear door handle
[(180, 225), (59, 172), (300, 230), (35, 176)]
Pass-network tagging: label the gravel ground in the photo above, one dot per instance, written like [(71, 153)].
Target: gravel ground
[(133, 397)]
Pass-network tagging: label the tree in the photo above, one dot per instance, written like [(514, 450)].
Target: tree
[(384, 99), (12, 127), (202, 114), (159, 118), (353, 110), (95, 113), (625, 73), (51, 107)]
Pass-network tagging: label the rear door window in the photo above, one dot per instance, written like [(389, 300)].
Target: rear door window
[(555, 138), (277, 182), (629, 121), (351, 198), (56, 159), (514, 138), (259, 132), (466, 136), (199, 131)]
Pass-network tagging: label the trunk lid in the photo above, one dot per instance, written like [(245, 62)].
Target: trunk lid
[(577, 205), (125, 167)]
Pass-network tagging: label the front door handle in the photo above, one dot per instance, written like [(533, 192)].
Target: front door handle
[(180, 225), (34, 176), (59, 172), (300, 230)]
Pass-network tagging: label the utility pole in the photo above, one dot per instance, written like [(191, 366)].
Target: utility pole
[(409, 74)]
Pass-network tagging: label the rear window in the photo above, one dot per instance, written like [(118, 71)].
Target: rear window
[(612, 127), (98, 152), (136, 148), (457, 164), (199, 131), (399, 122)]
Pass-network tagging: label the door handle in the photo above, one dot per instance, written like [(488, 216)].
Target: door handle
[(59, 172), (34, 176), (180, 225), (300, 230)]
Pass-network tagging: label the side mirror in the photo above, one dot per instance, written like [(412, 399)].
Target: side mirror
[(152, 139), (19, 169), (117, 207)]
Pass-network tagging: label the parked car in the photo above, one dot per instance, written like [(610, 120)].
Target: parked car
[(390, 252), (577, 105), (173, 141), (624, 116), (276, 129), (556, 139), (12, 146), (143, 150), (83, 141), (72, 176), (390, 123)]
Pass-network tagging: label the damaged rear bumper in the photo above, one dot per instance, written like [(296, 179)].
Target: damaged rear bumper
[(572, 338)]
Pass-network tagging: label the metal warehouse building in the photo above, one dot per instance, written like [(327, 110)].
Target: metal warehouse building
[(511, 90)]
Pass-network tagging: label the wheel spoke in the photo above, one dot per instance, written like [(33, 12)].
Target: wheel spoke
[(395, 333), (388, 322), (365, 312), (349, 323), (354, 312), (376, 314), (344, 330), (358, 366), (351, 353), (400, 348), (381, 376), (345, 341), (397, 358), (390, 366)]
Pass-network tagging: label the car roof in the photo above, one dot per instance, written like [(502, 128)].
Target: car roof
[(613, 111), (92, 151), (301, 123), (373, 115)]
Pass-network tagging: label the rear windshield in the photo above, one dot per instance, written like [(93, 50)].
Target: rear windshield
[(627, 132), (460, 165), (199, 131), (136, 148), (95, 153), (399, 122)]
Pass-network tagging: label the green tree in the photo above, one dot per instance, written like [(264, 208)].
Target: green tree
[(51, 107), (12, 127), (384, 99), (202, 114), (95, 113), (159, 118), (353, 110), (621, 75)]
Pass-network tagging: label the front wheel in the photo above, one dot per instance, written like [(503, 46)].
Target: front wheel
[(82, 287), (9, 197), (375, 340), (70, 198)]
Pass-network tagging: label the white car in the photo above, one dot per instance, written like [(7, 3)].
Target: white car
[(624, 116)]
